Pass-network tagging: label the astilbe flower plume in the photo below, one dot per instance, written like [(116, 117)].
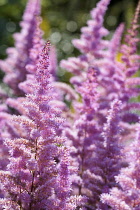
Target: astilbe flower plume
[(31, 67), (129, 49), (109, 158), (97, 154), (128, 196), (90, 44), (129, 66), (14, 65), (91, 38), (81, 132), (37, 176)]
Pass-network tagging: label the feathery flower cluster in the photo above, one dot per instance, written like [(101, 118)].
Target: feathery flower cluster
[(128, 196), (18, 56), (86, 156)]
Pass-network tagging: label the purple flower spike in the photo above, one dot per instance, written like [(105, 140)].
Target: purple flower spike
[(18, 57), (108, 157), (35, 165), (95, 151), (127, 197), (91, 38), (31, 67), (129, 50), (38, 175)]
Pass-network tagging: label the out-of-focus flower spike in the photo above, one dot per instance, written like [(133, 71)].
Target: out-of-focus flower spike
[(27, 86), (33, 8), (18, 57), (129, 192), (91, 38), (115, 42), (129, 49), (53, 63), (100, 10), (110, 153), (36, 48)]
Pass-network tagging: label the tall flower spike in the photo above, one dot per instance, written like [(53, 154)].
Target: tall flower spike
[(81, 135), (27, 85), (129, 66), (91, 43), (128, 196), (14, 65), (95, 153), (38, 175), (91, 38), (129, 57), (107, 160)]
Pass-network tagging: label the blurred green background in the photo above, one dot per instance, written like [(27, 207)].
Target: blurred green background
[(62, 20)]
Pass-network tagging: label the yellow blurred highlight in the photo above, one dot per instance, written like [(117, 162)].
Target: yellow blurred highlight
[(45, 26), (118, 57)]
